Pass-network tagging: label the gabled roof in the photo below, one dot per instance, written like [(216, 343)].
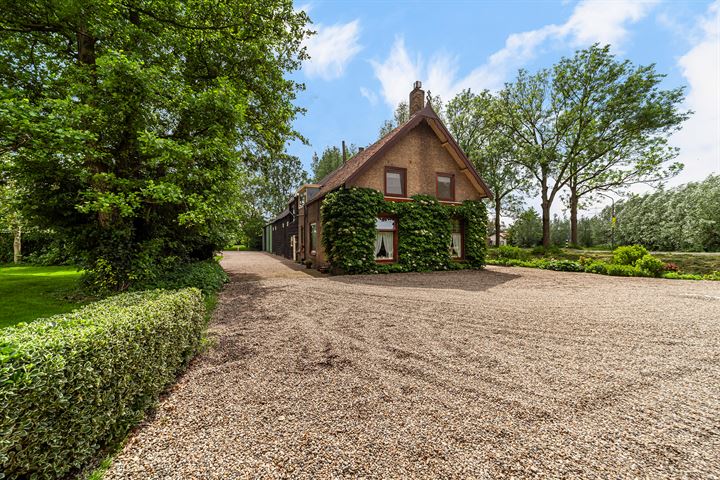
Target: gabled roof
[(362, 160)]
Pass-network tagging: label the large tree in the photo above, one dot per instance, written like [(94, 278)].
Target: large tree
[(472, 120), (590, 123), (620, 124), (330, 159), (130, 120)]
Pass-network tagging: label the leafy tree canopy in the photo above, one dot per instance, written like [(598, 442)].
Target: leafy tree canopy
[(527, 229), (132, 124), (330, 159)]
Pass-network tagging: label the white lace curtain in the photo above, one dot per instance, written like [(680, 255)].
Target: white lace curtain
[(384, 245), (456, 245)]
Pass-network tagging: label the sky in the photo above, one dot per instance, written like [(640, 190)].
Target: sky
[(367, 54)]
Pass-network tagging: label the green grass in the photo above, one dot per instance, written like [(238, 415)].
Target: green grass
[(237, 248), (28, 293)]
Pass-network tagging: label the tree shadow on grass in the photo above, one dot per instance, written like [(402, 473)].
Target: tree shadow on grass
[(468, 280)]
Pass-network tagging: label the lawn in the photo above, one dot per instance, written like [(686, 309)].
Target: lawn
[(28, 293)]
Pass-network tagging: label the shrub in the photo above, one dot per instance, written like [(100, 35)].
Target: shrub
[(597, 267), (551, 250), (72, 384), (671, 267), (510, 252), (629, 254), (206, 275), (652, 265), (562, 266), (681, 276), (585, 261), (712, 276), (622, 270)]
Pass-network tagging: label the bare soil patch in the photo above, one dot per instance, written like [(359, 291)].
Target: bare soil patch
[(499, 373)]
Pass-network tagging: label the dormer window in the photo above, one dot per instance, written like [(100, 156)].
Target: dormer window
[(446, 187), (395, 182)]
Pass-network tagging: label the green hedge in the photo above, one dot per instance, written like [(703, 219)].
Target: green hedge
[(424, 227), (72, 384), (207, 275)]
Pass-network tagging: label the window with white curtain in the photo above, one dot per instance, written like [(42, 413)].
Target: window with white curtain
[(385, 238), (456, 239)]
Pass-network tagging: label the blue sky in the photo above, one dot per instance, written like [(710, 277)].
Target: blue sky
[(367, 54)]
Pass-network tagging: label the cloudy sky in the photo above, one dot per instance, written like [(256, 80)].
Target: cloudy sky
[(366, 55)]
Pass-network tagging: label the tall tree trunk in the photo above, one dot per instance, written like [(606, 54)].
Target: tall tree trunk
[(86, 44), (17, 245), (497, 220), (574, 200), (546, 204), (546, 223)]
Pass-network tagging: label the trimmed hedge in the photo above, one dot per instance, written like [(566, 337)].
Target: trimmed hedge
[(72, 384), (424, 227)]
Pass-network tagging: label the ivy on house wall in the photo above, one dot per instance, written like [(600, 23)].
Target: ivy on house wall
[(348, 228), (424, 227)]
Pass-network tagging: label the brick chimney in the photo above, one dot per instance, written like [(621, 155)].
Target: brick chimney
[(417, 98)]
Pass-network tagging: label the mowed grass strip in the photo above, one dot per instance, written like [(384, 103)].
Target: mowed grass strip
[(28, 293)]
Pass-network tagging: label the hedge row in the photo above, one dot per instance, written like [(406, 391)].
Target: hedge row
[(72, 384), (424, 227)]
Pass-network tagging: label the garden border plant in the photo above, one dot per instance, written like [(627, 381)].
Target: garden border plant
[(628, 261), (424, 229)]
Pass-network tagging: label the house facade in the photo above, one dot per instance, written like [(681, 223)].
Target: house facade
[(418, 159)]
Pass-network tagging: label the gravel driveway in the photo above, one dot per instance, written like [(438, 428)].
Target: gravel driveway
[(499, 373)]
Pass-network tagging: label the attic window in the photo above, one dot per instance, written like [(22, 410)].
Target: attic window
[(395, 182), (446, 186)]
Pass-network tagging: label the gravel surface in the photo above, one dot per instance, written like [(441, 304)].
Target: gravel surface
[(507, 372)]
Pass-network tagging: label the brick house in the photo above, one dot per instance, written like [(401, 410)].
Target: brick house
[(419, 157)]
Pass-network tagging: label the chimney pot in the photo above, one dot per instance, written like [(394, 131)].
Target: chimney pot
[(417, 98)]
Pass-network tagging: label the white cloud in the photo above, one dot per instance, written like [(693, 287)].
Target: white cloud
[(604, 21), (592, 21), (370, 95), (331, 49), (699, 140)]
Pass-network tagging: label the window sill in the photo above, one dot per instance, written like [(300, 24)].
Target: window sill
[(386, 261)]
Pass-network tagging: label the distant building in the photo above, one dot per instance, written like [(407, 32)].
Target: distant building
[(503, 239)]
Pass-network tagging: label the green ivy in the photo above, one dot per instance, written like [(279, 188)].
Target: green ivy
[(424, 227)]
